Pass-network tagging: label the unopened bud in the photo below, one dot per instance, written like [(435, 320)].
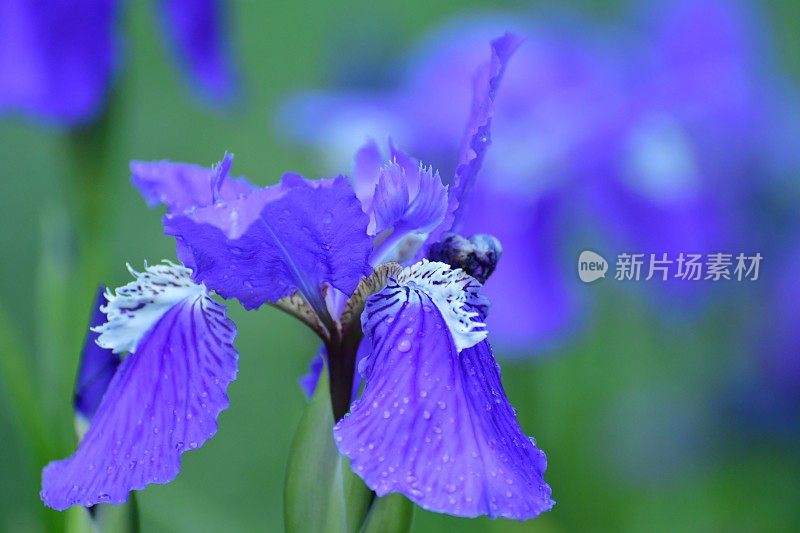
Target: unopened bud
[(477, 256)]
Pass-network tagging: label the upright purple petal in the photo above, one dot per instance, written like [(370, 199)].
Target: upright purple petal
[(477, 136), (391, 197), (181, 186), (97, 367), (57, 58), (163, 400), (406, 202), (433, 422), (297, 235), (368, 162), (196, 29), (409, 203)]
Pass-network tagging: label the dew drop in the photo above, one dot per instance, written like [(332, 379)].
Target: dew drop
[(404, 345)]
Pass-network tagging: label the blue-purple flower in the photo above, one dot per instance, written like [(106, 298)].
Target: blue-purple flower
[(432, 422), (59, 57)]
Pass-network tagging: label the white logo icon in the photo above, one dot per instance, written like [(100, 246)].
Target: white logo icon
[(591, 266)]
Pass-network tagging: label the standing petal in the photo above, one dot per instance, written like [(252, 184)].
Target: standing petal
[(433, 422), (297, 235), (477, 135), (197, 32), (163, 400), (97, 367), (367, 165), (410, 200)]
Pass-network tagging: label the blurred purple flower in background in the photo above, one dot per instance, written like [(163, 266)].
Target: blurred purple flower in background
[(58, 58), (694, 135)]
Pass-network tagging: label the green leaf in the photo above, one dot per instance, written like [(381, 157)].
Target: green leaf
[(321, 492), (393, 513)]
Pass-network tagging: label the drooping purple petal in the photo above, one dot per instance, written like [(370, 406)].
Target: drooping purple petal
[(57, 58), (196, 29), (297, 235), (477, 136), (97, 367), (433, 422), (163, 400), (181, 186)]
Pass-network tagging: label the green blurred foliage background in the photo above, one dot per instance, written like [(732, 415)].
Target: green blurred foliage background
[(622, 412)]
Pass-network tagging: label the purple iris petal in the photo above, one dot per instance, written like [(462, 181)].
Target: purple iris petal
[(196, 28), (56, 57), (477, 136), (163, 400), (367, 166), (408, 203), (308, 381), (97, 366), (434, 423), (181, 186), (297, 235), (391, 197), (400, 195)]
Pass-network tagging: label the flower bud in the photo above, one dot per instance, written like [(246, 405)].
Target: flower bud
[(477, 256)]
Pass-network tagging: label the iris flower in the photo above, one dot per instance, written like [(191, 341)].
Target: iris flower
[(58, 57), (433, 421)]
